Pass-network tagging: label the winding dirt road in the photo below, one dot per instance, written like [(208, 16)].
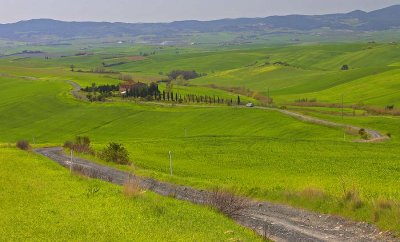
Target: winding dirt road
[(278, 222), (375, 136)]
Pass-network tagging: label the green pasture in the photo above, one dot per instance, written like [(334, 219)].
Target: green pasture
[(263, 154), (42, 201)]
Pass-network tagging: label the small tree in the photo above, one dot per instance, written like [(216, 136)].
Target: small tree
[(116, 153), (23, 145), (238, 100), (345, 68), (81, 145), (72, 67)]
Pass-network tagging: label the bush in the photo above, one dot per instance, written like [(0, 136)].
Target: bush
[(68, 144), (227, 202), (80, 145), (23, 145), (116, 153), (364, 134)]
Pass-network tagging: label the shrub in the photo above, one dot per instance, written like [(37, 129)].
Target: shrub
[(80, 145), (23, 145), (68, 144), (116, 153), (185, 74), (389, 107), (227, 202), (364, 134)]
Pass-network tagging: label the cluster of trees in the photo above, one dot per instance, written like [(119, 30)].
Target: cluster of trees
[(114, 152), (113, 64), (151, 92), (306, 100), (100, 70), (143, 90), (390, 107), (101, 88), (192, 98), (144, 54), (100, 93), (186, 75)]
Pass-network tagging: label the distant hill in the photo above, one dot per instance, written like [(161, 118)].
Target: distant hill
[(47, 29)]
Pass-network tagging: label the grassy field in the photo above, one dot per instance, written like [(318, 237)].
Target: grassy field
[(264, 154), (48, 203), (288, 72)]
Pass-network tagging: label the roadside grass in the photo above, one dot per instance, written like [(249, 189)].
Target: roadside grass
[(386, 124), (346, 179), (42, 201)]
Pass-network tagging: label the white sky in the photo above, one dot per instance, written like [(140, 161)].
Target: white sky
[(171, 10)]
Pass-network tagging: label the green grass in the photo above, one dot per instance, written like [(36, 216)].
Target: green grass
[(42, 201), (50, 114), (265, 154), (314, 70), (384, 124)]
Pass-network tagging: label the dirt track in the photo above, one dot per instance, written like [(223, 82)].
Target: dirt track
[(280, 223), (375, 136)]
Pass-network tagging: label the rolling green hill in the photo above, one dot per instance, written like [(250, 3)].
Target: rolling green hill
[(47, 203), (263, 153)]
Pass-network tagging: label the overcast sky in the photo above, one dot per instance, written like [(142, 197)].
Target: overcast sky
[(171, 10)]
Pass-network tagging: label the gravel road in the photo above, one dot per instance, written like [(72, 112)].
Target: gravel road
[(375, 136), (278, 222)]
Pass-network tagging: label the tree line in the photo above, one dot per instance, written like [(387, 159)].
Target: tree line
[(99, 93), (151, 92), (186, 75)]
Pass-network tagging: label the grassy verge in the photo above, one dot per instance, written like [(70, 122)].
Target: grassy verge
[(308, 174), (42, 201)]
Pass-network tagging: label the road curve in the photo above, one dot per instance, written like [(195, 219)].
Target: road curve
[(374, 135), (76, 89), (278, 222)]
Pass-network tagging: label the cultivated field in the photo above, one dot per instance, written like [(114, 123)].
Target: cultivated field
[(264, 154)]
